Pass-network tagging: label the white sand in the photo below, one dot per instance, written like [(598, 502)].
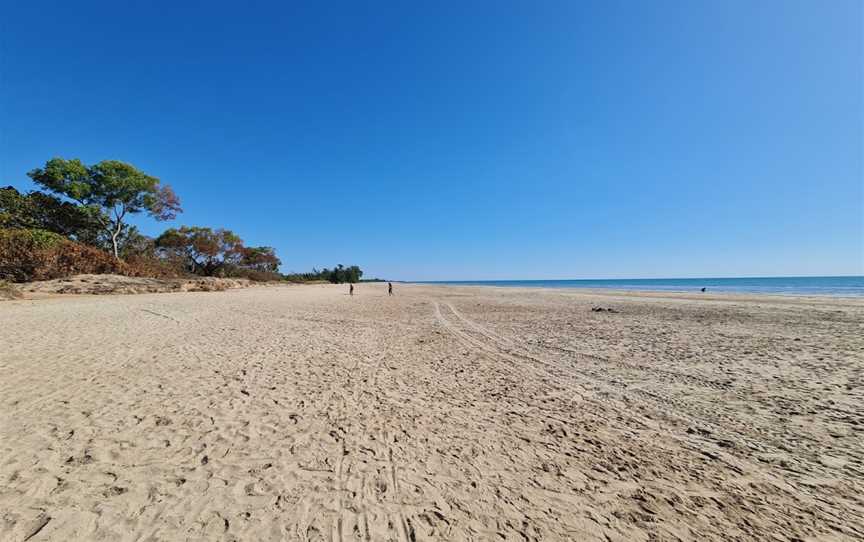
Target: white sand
[(447, 413)]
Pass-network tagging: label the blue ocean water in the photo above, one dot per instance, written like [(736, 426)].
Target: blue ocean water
[(848, 286)]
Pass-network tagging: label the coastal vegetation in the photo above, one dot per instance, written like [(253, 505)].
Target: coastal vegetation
[(108, 192), (79, 224), (338, 275)]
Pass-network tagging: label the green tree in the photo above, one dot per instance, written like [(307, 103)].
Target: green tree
[(111, 190), (202, 250), (354, 273), (340, 274), (260, 259), (38, 210), (337, 275)]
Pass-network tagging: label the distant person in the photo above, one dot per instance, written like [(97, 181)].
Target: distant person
[(704, 289), (351, 289), (389, 288)]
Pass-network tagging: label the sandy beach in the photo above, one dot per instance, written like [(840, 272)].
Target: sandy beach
[(442, 413)]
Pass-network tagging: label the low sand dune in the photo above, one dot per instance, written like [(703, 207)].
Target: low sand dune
[(448, 413), (118, 284)]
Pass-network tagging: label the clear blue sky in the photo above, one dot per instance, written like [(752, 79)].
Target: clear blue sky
[(467, 140)]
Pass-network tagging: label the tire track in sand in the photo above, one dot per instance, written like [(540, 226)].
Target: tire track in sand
[(726, 427)]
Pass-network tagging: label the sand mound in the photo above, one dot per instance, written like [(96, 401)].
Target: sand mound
[(118, 284), (8, 291)]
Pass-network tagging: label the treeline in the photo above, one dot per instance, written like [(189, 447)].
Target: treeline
[(79, 224), (338, 275)]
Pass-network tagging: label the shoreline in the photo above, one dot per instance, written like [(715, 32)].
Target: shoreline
[(671, 294), (846, 286)]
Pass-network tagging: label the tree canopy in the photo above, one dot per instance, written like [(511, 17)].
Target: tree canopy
[(41, 211), (202, 250), (111, 189), (337, 275), (260, 259)]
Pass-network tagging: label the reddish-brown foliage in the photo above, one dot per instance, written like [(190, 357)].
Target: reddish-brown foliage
[(71, 258), (143, 266), (27, 255)]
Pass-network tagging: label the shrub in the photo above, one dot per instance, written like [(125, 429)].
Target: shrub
[(255, 275), (27, 255), (36, 239), (71, 258), (144, 266), (24, 252)]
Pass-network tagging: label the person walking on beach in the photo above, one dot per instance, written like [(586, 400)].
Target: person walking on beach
[(389, 288), (351, 289)]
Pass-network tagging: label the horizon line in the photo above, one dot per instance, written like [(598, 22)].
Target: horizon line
[(643, 278)]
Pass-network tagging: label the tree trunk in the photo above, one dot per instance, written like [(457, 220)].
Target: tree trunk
[(116, 233), (114, 243)]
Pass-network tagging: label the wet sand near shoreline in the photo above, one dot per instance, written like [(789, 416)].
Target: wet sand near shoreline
[(441, 413)]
